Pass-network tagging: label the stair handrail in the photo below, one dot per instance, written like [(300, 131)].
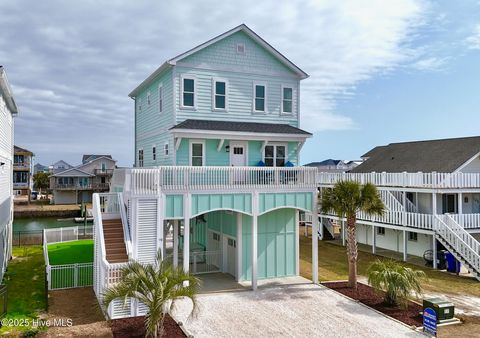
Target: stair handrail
[(126, 227), (470, 252), (97, 217), (391, 201)]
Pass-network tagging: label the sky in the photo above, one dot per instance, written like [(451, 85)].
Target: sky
[(380, 71)]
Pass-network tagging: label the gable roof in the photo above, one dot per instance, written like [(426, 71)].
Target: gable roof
[(90, 158), (232, 126), (17, 149), (6, 92), (444, 155), (60, 162), (72, 172), (244, 28)]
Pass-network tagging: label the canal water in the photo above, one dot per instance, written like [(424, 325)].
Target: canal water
[(40, 223)]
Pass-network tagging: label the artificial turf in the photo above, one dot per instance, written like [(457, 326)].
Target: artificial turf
[(80, 251)]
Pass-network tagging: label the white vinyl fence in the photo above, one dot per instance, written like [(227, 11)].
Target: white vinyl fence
[(66, 276)]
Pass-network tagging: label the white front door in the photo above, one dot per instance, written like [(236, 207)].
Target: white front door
[(238, 154)]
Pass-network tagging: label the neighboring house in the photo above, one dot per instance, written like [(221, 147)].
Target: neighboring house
[(59, 166), (431, 190), (222, 121), (73, 185), (38, 168), (334, 166), (8, 110), (22, 171)]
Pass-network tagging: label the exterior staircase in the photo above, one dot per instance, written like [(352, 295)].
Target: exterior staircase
[(114, 241), (464, 247)]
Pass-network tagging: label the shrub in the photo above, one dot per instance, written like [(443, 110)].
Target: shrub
[(396, 280)]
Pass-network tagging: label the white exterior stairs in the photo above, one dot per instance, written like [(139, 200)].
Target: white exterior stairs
[(464, 247)]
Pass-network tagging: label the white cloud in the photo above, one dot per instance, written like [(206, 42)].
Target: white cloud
[(430, 63), (473, 41), (73, 67)]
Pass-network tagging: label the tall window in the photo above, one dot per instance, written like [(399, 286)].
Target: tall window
[(197, 155), (188, 92), (154, 153), (140, 157), (160, 99), (165, 149), (275, 156), (104, 167), (149, 101), (139, 104), (287, 95), (259, 98), (220, 95)]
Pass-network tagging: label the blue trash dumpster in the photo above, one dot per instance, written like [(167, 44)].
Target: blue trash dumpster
[(452, 264)]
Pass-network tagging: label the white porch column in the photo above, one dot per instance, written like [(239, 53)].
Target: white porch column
[(175, 243), (434, 244), (239, 247), (161, 224), (315, 240), (434, 251), (434, 203), (297, 243), (405, 245), (186, 232), (460, 203), (254, 239), (374, 240)]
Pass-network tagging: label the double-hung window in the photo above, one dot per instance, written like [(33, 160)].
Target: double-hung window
[(160, 98), (188, 92), (219, 95), (154, 153), (140, 157), (275, 156), (287, 100), (165, 149), (259, 101), (197, 156)]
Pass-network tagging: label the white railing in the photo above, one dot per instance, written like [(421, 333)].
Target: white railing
[(459, 239), (65, 234), (390, 201), (151, 181), (67, 276), (410, 207), (126, 226), (467, 221), (422, 180)]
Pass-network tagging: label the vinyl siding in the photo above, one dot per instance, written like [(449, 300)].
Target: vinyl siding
[(152, 125)]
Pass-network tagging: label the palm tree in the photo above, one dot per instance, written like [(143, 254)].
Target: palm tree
[(157, 286), (396, 280), (346, 199)]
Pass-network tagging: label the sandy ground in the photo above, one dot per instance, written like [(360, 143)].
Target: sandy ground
[(295, 310), (79, 305)]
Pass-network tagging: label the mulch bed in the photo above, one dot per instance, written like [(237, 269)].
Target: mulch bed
[(368, 296), (135, 328)]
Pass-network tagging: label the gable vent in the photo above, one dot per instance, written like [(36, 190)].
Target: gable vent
[(241, 48)]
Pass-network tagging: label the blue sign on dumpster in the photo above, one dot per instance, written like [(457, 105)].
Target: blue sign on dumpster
[(430, 321)]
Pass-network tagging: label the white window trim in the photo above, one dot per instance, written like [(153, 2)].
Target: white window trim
[(138, 157), (160, 98), (265, 99), (154, 154), (192, 142), (243, 144), (188, 77), (275, 152), (214, 81), (166, 146), (281, 101)]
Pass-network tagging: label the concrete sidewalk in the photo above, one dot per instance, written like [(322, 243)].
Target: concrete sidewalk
[(299, 309)]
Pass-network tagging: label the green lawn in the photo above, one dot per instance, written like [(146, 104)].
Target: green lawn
[(71, 252), (25, 280), (333, 266)]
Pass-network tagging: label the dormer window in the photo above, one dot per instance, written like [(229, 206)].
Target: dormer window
[(240, 48)]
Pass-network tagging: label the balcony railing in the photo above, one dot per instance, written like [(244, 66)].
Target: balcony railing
[(151, 181), (100, 172), (419, 180), (20, 185), (21, 165), (99, 186)]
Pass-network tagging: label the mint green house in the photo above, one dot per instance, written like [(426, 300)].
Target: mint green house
[(216, 185)]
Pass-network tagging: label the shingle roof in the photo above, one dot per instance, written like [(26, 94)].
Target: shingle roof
[(88, 158), (445, 155), (18, 149), (322, 163), (249, 127)]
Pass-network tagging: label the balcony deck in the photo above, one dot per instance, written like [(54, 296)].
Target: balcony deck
[(98, 186)]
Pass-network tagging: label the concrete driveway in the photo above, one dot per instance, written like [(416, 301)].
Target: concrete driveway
[(292, 308)]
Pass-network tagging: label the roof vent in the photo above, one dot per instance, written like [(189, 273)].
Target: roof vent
[(241, 48)]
